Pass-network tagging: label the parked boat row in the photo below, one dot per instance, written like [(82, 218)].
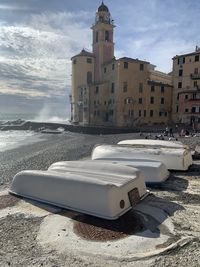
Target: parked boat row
[(109, 184)]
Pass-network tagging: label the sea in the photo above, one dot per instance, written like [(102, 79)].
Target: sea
[(13, 139)]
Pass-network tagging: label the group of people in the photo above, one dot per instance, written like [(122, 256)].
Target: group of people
[(169, 132)]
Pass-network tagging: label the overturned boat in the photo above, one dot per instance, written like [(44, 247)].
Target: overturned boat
[(99, 194), (153, 143), (153, 171), (174, 159)]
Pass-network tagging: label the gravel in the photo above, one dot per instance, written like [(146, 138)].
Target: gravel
[(18, 232)]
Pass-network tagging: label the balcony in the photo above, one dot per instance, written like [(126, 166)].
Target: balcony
[(195, 76)]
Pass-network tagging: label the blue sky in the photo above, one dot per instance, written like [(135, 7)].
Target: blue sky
[(38, 38)]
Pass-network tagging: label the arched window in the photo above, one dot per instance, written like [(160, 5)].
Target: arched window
[(106, 35), (89, 77)]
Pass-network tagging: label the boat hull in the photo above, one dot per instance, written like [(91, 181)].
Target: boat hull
[(101, 195), (173, 159), (153, 171)]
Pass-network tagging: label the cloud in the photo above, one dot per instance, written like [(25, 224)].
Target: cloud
[(36, 56)]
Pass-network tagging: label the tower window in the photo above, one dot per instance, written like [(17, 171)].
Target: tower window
[(107, 36), (97, 37), (180, 85), (152, 88), (181, 60), (196, 58), (112, 87), (125, 65), (89, 60), (180, 73), (141, 67), (89, 77), (162, 88)]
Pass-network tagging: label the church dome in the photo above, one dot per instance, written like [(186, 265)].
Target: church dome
[(103, 8)]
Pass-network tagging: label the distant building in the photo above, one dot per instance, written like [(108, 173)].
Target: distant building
[(121, 92), (186, 83)]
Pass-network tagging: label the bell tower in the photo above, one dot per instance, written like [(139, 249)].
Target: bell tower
[(103, 46)]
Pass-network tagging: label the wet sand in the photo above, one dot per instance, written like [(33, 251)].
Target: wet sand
[(179, 198)]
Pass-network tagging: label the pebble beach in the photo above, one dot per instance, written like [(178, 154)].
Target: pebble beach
[(179, 198)]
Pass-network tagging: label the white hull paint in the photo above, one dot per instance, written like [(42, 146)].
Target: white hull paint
[(98, 194), (153, 171), (153, 143), (174, 159)]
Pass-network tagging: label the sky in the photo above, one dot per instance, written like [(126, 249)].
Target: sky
[(39, 37)]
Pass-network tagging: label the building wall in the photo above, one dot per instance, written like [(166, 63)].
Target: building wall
[(80, 91), (186, 82)]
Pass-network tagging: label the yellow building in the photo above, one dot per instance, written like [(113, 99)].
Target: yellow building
[(186, 83), (121, 92)]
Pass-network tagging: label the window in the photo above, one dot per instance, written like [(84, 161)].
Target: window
[(177, 109), (141, 67), (112, 87), (177, 98), (179, 84), (128, 100), (95, 113), (196, 71), (162, 100), (89, 60), (125, 87), (97, 90), (186, 110), (111, 112), (97, 37), (162, 89), (193, 110), (145, 113), (160, 114), (180, 72), (140, 87), (166, 114), (130, 113), (95, 102), (195, 84), (186, 96), (152, 100), (89, 77), (196, 58), (140, 100), (151, 113), (107, 36), (74, 61), (125, 65), (104, 70), (113, 66), (104, 102), (152, 88), (181, 60), (140, 113), (194, 96)]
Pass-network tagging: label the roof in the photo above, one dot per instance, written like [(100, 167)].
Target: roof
[(189, 54), (133, 59), (103, 8), (84, 53)]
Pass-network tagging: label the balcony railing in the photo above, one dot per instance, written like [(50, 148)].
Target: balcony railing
[(195, 76)]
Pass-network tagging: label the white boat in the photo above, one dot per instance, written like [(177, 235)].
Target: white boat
[(174, 159), (153, 171), (97, 194), (153, 143)]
